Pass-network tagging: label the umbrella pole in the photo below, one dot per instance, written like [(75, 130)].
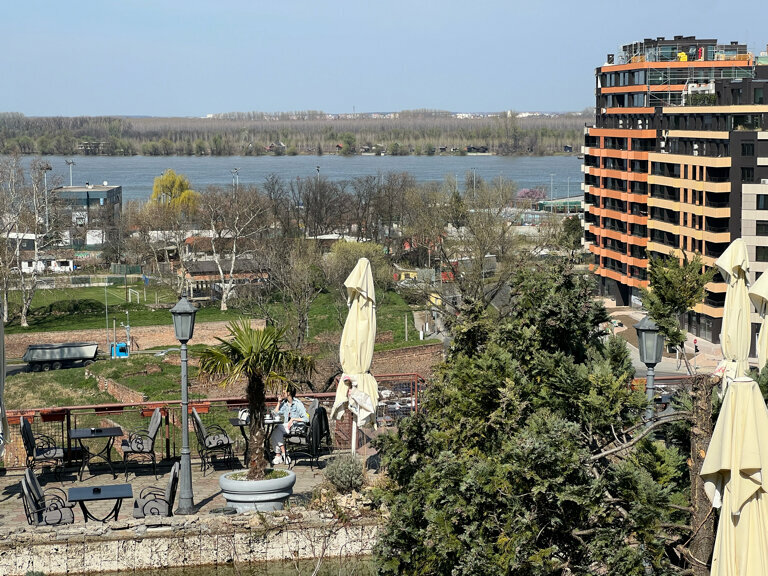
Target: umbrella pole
[(354, 436)]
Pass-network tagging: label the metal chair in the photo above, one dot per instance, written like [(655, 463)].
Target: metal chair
[(306, 440), (41, 448), (211, 439), (141, 443), (44, 508), (155, 501)]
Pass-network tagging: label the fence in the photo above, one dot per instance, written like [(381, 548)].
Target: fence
[(399, 398)]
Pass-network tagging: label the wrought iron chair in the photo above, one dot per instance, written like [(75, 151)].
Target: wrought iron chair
[(153, 501), (141, 443), (44, 508), (41, 448), (211, 439), (306, 440)]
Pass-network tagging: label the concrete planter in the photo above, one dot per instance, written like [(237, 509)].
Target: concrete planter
[(262, 495)]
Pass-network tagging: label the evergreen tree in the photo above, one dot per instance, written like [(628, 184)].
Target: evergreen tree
[(520, 461)]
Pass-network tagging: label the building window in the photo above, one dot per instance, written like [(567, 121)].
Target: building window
[(762, 228), (747, 148), (762, 201), (761, 253), (748, 174), (759, 96)]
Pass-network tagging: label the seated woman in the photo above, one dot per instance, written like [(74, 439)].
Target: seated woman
[(291, 410)]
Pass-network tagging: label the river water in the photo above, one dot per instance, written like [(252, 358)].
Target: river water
[(328, 567), (137, 173)]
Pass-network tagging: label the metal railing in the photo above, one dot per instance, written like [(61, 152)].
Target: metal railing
[(399, 397)]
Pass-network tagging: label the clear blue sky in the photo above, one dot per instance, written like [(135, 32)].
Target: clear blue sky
[(195, 57)]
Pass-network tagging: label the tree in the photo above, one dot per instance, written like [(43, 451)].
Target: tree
[(529, 456), (675, 286), (296, 277), (572, 232), (235, 218), (260, 357), (174, 190)]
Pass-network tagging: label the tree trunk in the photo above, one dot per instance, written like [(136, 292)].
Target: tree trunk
[(257, 405), (703, 518)]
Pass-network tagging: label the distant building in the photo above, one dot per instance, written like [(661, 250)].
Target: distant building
[(90, 214)]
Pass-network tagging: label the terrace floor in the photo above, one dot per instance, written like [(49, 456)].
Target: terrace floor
[(205, 487)]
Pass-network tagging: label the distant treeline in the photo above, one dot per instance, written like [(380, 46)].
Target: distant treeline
[(250, 134)]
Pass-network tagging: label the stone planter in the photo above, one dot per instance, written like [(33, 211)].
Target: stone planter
[(262, 495)]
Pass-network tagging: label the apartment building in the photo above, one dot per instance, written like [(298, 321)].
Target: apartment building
[(677, 163)]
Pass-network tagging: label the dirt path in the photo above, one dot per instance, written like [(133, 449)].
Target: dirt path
[(144, 336)]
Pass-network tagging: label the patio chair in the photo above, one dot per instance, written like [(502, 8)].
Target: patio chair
[(41, 448), (211, 439), (141, 443), (306, 440), (153, 501), (44, 508)]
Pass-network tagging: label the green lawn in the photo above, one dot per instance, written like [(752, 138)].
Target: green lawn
[(63, 309), (55, 388)]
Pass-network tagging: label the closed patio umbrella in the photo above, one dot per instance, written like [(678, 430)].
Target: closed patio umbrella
[(358, 389), (735, 474), (734, 336), (758, 293), (3, 417)]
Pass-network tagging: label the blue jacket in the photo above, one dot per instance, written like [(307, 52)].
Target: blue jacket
[(293, 410)]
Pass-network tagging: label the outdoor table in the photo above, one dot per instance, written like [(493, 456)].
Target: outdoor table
[(110, 434), (116, 492), (269, 423)]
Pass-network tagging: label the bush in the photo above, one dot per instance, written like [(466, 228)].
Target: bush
[(345, 473)]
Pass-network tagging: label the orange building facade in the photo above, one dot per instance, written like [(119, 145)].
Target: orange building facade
[(676, 163)]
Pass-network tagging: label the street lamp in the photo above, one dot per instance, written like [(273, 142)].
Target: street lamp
[(184, 326), (70, 163), (45, 167), (650, 343), (551, 192)]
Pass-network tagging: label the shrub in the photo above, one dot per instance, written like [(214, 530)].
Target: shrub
[(345, 473)]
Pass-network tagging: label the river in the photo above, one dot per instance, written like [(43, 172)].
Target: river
[(137, 173), (328, 567)]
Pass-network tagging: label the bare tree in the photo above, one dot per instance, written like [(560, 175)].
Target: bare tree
[(234, 218), (163, 232), (297, 276)]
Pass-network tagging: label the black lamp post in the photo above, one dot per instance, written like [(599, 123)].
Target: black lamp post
[(184, 326), (650, 343)]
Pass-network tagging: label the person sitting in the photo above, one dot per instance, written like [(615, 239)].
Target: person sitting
[(291, 411)]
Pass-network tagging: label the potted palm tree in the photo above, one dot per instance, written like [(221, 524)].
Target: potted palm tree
[(259, 356)]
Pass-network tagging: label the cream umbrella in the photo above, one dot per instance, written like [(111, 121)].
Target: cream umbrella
[(758, 293), (4, 431), (358, 389), (734, 336), (735, 481)]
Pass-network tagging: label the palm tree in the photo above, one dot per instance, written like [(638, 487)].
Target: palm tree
[(259, 356)]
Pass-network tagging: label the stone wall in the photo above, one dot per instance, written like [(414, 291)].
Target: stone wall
[(182, 542), (122, 394)]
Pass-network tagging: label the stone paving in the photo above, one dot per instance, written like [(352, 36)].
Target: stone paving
[(205, 487)]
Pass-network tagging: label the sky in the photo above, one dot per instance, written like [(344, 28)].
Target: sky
[(199, 57)]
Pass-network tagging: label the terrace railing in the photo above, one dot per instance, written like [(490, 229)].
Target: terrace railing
[(399, 397)]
